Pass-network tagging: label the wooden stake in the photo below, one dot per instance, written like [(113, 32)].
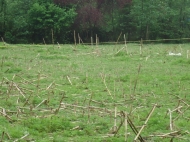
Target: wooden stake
[(2, 63), (125, 43), (126, 127), (171, 123), (79, 38), (58, 45), (52, 37), (141, 44), (3, 40), (44, 41), (115, 120), (187, 54), (92, 41), (96, 41), (75, 39)]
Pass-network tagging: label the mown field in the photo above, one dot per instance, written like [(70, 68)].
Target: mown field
[(106, 93)]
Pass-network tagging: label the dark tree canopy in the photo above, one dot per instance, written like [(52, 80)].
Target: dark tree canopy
[(28, 21)]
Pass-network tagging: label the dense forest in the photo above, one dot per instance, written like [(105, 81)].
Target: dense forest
[(36, 21)]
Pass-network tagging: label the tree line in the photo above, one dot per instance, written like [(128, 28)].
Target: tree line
[(37, 21)]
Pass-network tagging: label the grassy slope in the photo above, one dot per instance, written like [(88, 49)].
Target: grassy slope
[(31, 74)]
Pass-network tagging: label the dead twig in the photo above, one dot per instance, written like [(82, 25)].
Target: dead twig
[(135, 85), (63, 96), (3, 134), (145, 122), (171, 134), (44, 101), (21, 92), (69, 80), (134, 129), (119, 50), (5, 115), (104, 81), (50, 86), (21, 138), (171, 122), (121, 123)]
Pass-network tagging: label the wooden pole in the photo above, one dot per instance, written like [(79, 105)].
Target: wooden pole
[(44, 41), (187, 54), (52, 37), (125, 43), (79, 38), (141, 44), (126, 127), (96, 41), (75, 39), (119, 37), (171, 123), (2, 63), (3, 40), (92, 41), (115, 120)]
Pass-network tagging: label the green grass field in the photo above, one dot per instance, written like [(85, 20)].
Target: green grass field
[(87, 94)]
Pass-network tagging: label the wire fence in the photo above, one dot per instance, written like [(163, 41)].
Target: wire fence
[(176, 40)]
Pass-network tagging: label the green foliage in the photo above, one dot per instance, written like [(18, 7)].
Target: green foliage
[(125, 78), (182, 62), (185, 77), (31, 21), (47, 125), (27, 21), (47, 17)]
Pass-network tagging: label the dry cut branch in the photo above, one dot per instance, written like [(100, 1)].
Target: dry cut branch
[(3, 113), (145, 122)]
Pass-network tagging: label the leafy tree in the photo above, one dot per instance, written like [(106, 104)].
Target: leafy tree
[(47, 17), (32, 20), (94, 16), (17, 24), (3, 6)]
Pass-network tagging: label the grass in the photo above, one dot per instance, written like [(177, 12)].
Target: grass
[(51, 94)]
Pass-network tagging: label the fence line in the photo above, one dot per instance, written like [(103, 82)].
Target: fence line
[(138, 41)]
